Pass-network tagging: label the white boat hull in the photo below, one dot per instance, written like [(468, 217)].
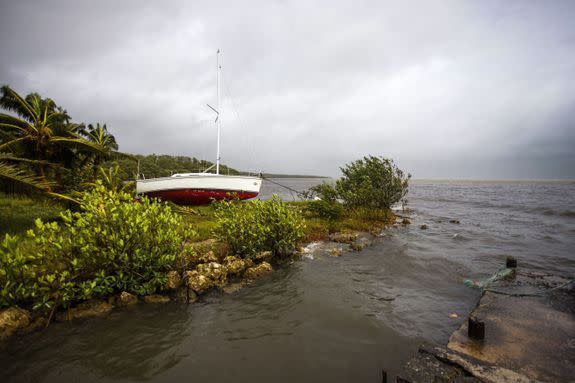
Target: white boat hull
[(199, 188)]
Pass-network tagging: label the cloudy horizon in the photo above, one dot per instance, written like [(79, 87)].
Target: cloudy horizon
[(449, 89)]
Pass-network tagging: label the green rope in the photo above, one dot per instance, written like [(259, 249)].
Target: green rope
[(501, 274)]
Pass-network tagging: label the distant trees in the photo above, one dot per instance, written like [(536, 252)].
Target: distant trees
[(156, 165)]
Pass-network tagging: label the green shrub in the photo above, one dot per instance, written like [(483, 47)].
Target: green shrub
[(112, 244), (327, 206), (372, 182), (325, 192), (254, 226), (330, 210)]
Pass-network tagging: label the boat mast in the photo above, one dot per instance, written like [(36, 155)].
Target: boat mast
[(218, 119)]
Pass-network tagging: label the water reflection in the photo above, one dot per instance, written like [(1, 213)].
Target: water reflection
[(135, 345)]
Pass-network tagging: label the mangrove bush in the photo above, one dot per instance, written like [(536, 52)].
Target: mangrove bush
[(255, 226), (371, 182), (112, 244)]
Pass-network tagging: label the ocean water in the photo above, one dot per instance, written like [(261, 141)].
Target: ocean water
[(324, 318)]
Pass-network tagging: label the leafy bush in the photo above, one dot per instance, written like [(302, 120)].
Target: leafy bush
[(372, 182), (327, 206), (112, 244), (254, 226), (325, 192), (330, 210)]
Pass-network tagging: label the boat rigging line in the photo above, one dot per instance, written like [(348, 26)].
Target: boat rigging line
[(301, 194)]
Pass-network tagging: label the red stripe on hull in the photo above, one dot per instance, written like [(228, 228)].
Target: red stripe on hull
[(199, 196)]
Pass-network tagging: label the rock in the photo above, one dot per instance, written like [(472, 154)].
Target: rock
[(155, 298), (203, 246), (202, 252), (86, 309), (186, 295), (174, 280), (235, 265), (126, 299), (198, 282), (343, 237), (208, 257), (264, 256), (336, 252), (37, 324), (456, 221), (405, 221), (13, 319), (375, 231), (423, 227), (357, 246), (215, 272), (234, 287), (258, 271)]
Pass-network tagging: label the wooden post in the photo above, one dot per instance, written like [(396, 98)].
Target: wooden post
[(475, 328), (511, 262)]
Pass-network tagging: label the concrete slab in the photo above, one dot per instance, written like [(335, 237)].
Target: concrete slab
[(529, 328), (529, 321)]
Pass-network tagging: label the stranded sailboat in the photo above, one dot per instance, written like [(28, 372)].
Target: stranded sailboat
[(201, 188)]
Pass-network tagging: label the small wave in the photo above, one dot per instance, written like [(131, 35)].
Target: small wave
[(310, 249), (548, 238), (563, 213), (460, 237), (543, 210)]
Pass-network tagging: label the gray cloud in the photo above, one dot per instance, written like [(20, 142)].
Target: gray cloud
[(447, 88)]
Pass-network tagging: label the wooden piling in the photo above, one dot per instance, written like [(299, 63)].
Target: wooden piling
[(475, 328), (511, 262)]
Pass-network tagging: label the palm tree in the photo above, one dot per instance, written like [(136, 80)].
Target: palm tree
[(100, 136), (38, 129)]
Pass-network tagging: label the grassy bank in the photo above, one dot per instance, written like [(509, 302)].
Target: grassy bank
[(203, 219), (18, 212)]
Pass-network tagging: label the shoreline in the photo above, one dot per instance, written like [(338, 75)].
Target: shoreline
[(214, 269)]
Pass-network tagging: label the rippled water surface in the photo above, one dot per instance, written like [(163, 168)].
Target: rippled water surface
[(323, 318)]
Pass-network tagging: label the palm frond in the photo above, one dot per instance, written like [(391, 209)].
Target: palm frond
[(63, 197), (12, 101), (9, 157), (57, 118), (12, 142), (16, 176), (15, 129), (12, 121), (80, 143)]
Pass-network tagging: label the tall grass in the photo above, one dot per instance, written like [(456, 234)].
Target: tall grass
[(18, 212)]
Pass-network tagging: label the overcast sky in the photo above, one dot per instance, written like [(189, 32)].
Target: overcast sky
[(449, 89)]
